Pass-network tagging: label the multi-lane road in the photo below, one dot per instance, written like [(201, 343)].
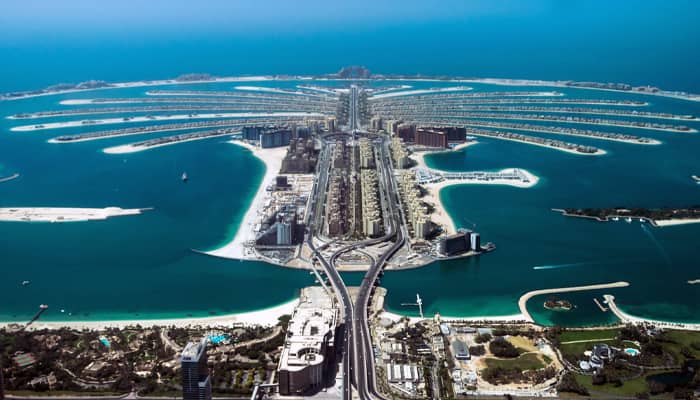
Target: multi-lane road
[(358, 368)]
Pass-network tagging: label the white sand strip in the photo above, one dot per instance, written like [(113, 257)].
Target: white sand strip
[(528, 82), (486, 318), (442, 217), (627, 318), (672, 222), (522, 302), (122, 85), (612, 139), (106, 121), (273, 90), (599, 152), (420, 91), (235, 249), (135, 147), (51, 214), (267, 316), (319, 89)]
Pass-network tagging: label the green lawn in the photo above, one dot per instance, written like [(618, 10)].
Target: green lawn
[(681, 339), (570, 336), (525, 361), (628, 389), (577, 349)]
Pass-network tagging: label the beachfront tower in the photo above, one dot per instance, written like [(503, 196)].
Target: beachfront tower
[(475, 239), (2, 382), (196, 384)]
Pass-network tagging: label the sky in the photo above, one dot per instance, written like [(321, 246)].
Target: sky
[(640, 42)]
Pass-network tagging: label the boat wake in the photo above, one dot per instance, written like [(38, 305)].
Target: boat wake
[(557, 266), (657, 244)]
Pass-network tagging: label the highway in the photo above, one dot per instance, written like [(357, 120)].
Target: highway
[(358, 355)]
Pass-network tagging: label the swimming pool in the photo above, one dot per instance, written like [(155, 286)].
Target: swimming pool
[(632, 352), (104, 341), (217, 339)]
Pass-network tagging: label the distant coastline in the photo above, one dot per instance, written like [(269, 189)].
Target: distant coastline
[(629, 216)]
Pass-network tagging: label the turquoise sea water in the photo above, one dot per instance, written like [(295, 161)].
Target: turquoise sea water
[(656, 261), (128, 267), (142, 266)]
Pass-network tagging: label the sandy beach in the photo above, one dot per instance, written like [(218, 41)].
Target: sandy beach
[(487, 318), (274, 90), (612, 139), (522, 302), (440, 215), (529, 82), (421, 91), (599, 152), (673, 222), (491, 81), (419, 156), (134, 147), (273, 161), (122, 85), (107, 121), (59, 214), (627, 318), (268, 316)]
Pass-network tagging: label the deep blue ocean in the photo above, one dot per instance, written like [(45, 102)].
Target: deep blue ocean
[(143, 266)]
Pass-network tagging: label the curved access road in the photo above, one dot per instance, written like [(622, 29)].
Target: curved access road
[(522, 303)]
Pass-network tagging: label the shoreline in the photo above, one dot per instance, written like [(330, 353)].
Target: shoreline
[(627, 318), (522, 302), (266, 316), (64, 214), (650, 141), (234, 248), (513, 318), (421, 91), (440, 215), (598, 152), (562, 84), (672, 222), (489, 81), (653, 222), (110, 121), (142, 83), (135, 148)]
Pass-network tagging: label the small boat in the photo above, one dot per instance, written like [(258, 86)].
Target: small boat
[(616, 219), (25, 283), (184, 176), (628, 219), (44, 306), (696, 178)]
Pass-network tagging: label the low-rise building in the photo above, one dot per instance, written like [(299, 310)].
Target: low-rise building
[(309, 345)]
